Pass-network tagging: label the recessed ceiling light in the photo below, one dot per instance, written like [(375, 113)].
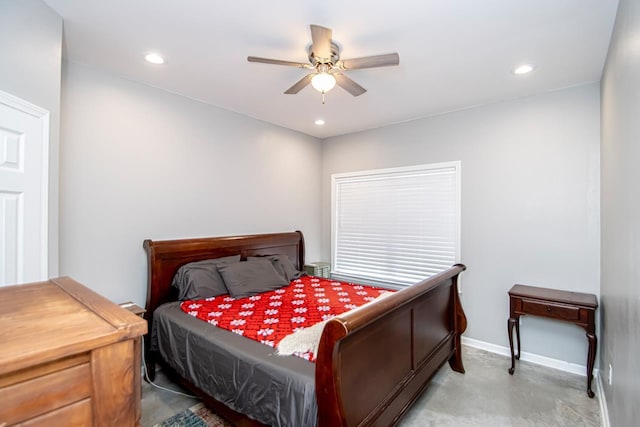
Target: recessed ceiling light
[(154, 58), (319, 122), (523, 69)]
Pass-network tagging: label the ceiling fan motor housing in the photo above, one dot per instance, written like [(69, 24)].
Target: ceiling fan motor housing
[(315, 60)]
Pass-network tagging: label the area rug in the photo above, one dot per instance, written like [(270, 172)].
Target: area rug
[(196, 416)]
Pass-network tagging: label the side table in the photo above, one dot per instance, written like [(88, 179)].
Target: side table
[(574, 307), (133, 307)]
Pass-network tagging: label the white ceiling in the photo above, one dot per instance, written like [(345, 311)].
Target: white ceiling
[(453, 53)]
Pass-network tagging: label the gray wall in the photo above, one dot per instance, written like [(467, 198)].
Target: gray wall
[(620, 282), (138, 163), (31, 52), (530, 201)]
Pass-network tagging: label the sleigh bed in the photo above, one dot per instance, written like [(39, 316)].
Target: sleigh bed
[(372, 363)]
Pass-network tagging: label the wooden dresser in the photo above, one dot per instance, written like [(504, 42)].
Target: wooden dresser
[(68, 357)]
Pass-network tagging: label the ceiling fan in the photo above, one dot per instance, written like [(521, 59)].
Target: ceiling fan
[(328, 68)]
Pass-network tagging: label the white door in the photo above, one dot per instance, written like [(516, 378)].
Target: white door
[(24, 145)]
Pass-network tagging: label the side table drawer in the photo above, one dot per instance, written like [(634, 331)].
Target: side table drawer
[(545, 309)]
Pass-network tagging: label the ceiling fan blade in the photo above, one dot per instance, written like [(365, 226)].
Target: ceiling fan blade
[(371, 61), (278, 62), (299, 85), (349, 85), (321, 38)]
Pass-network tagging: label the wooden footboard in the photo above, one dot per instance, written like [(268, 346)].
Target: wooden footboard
[(373, 362)]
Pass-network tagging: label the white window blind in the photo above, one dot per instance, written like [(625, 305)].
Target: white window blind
[(398, 225)]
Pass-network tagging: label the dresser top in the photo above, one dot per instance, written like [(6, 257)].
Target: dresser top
[(45, 321), (555, 295)]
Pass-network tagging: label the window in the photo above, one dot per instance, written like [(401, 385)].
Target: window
[(395, 226)]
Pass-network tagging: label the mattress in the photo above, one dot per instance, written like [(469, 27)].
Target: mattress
[(245, 375)]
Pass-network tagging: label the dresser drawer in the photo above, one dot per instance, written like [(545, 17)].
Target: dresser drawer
[(555, 311), (75, 415), (37, 396)]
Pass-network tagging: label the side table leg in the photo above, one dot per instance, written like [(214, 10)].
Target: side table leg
[(510, 324), (518, 336), (590, 359)]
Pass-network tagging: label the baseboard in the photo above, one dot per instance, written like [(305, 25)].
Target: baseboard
[(602, 401), (573, 368)]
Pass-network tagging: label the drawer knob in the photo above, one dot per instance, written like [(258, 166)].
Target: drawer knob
[(549, 309)]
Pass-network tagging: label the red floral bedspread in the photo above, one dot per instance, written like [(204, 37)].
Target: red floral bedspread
[(271, 316)]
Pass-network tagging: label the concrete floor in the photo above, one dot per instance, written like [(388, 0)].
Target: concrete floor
[(158, 405), (486, 395)]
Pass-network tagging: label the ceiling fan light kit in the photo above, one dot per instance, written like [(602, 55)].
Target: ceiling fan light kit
[(323, 82), (328, 69)]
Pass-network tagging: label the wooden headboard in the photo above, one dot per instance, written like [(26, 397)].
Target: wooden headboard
[(166, 256)]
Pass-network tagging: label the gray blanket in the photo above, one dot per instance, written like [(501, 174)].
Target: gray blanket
[(243, 374)]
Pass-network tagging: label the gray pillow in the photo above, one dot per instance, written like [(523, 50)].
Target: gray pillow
[(244, 279), (283, 265), (200, 279)]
